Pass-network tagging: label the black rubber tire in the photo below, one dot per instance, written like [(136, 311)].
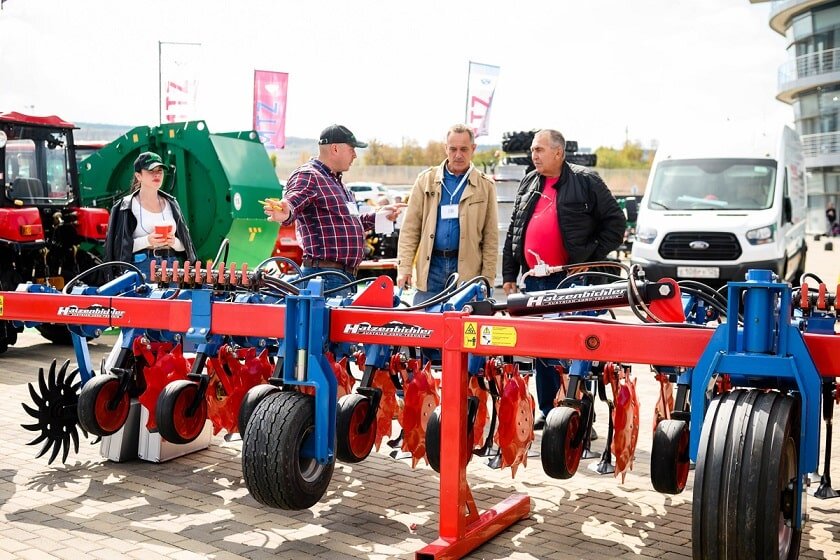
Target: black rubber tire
[(172, 423), (272, 467), (669, 462), (250, 401), (747, 457), (57, 334), (433, 440), (562, 442), (352, 446), (92, 403)]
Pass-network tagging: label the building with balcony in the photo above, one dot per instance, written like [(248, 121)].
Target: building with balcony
[(810, 82)]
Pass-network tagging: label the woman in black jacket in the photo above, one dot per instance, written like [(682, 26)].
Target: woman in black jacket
[(147, 224)]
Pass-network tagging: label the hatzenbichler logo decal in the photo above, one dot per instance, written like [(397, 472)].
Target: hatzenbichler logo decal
[(94, 311), (388, 329)]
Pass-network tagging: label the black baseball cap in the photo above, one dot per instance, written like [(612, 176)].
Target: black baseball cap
[(337, 134), (148, 161)]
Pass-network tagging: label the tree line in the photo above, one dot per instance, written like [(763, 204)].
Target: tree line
[(410, 152)]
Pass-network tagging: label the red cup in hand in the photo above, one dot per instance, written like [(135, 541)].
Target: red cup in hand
[(163, 230)]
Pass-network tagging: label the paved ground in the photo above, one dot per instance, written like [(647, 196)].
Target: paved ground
[(198, 507)]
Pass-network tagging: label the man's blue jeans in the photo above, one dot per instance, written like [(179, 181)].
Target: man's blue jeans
[(439, 270), (546, 380), (333, 279)]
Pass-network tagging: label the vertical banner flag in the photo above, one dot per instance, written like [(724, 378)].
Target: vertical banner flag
[(481, 84), (178, 81), (270, 107)]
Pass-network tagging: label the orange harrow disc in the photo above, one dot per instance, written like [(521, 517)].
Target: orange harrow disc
[(625, 421), (388, 405), (165, 364), (665, 403), (481, 415), (233, 372), (421, 398), (516, 419)]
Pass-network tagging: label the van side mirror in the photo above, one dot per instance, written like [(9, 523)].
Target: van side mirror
[(787, 211)]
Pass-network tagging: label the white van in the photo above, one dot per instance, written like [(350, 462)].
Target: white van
[(712, 212)]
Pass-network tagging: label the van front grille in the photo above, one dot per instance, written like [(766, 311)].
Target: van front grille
[(700, 246)]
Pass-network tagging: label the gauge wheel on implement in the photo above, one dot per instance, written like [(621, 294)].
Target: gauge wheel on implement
[(277, 465), (669, 462), (181, 411), (354, 440)]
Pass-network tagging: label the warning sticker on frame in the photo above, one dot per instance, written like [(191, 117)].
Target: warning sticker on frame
[(470, 335), (498, 336)]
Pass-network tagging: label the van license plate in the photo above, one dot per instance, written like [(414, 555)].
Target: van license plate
[(698, 272)]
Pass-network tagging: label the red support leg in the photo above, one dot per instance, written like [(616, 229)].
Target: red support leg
[(462, 529)]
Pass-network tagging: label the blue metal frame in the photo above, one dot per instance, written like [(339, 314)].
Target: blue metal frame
[(767, 350), (307, 329)]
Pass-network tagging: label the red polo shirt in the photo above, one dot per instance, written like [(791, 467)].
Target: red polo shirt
[(542, 234)]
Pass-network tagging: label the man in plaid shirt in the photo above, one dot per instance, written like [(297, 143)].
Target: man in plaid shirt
[(331, 228)]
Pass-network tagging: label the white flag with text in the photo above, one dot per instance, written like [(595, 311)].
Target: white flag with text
[(481, 85), (179, 64)]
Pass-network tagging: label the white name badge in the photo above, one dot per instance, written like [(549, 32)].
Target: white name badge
[(353, 208), (449, 211)]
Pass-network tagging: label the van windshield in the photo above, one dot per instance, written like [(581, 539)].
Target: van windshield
[(713, 184)]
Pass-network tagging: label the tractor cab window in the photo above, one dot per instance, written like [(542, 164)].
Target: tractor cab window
[(37, 171)]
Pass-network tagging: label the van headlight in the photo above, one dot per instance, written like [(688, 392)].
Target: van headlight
[(645, 234), (762, 235)]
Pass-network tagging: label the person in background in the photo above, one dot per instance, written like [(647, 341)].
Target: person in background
[(562, 214), (831, 216), (332, 231), (147, 224), (451, 222)]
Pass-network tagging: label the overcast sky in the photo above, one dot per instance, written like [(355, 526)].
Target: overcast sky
[(389, 69)]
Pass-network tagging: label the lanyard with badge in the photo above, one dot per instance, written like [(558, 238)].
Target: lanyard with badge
[(450, 211), (352, 205)]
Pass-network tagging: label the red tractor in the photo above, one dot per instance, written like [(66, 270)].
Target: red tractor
[(45, 236)]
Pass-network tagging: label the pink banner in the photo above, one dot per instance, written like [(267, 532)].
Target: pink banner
[(270, 107)]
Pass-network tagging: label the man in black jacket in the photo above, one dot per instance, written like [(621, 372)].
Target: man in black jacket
[(563, 214)]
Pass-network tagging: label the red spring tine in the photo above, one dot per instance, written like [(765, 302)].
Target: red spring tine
[(152, 271), (197, 272), (804, 302), (186, 272), (821, 304), (232, 272), (164, 273), (208, 267), (175, 271), (244, 274), (221, 279)]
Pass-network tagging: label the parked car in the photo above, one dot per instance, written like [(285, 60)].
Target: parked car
[(364, 190)]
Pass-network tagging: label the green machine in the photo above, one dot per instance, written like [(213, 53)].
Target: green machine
[(219, 180)]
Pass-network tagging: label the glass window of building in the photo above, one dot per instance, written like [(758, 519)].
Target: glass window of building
[(826, 18), (802, 26)]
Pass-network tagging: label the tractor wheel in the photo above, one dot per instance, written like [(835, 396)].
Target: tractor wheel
[(250, 401), (433, 440), (173, 421), (353, 445), (669, 463), (97, 416), (275, 470), (562, 442), (57, 334), (746, 478)]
